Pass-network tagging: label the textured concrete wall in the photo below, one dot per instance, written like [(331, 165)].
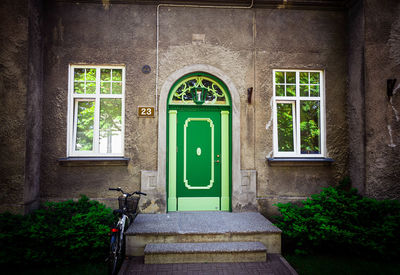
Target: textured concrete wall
[(13, 92), (34, 107), (97, 34), (382, 119), (317, 43), (356, 96), (227, 39)]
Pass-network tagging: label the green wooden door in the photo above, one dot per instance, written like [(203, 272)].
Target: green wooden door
[(198, 160), (199, 145)]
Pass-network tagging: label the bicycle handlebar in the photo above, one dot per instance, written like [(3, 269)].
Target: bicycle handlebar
[(127, 194)]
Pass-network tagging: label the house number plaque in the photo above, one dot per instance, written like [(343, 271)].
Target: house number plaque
[(145, 111)]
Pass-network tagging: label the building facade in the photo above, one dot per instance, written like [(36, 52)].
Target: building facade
[(204, 105)]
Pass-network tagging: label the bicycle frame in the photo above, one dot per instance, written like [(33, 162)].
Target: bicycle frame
[(117, 240)]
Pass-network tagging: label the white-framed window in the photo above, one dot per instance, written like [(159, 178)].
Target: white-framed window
[(96, 110), (299, 113)]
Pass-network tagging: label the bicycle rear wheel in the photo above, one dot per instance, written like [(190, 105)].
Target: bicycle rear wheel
[(115, 256)]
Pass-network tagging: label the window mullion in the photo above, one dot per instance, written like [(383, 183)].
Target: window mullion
[(75, 125), (297, 106), (97, 114), (322, 113), (70, 122)]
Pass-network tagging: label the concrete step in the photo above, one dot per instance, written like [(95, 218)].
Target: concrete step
[(201, 227), (167, 253)]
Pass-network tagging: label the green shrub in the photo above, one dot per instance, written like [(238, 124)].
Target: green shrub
[(340, 220), (59, 232)]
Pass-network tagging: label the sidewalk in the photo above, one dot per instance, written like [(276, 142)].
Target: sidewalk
[(275, 265)]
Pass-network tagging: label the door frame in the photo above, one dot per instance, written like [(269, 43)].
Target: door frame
[(159, 191), (225, 135)]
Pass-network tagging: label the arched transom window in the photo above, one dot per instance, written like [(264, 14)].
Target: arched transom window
[(198, 89)]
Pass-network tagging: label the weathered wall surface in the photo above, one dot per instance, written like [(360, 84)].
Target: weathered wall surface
[(227, 39), (96, 34), (382, 120), (317, 43), (34, 107), (356, 96), (13, 90)]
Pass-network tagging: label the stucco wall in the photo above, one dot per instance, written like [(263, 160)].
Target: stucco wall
[(382, 62), (317, 43), (356, 96), (13, 89), (96, 34), (229, 40)]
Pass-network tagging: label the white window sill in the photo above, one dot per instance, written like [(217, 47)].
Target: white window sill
[(93, 161), (298, 162)]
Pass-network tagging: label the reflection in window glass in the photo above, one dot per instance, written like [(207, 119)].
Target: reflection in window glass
[(280, 90), (110, 125), (314, 90), (90, 87), (84, 125), (314, 78), (291, 77), (117, 87), (290, 90), (298, 105), (105, 87), (304, 90), (117, 75), (79, 87), (90, 74), (285, 127), (105, 74), (97, 96), (310, 127), (279, 77), (304, 78)]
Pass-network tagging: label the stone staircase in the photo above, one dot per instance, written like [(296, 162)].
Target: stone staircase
[(189, 237)]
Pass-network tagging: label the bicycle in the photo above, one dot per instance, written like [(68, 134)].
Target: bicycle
[(126, 213)]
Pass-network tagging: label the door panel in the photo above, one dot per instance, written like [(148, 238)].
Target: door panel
[(198, 168)]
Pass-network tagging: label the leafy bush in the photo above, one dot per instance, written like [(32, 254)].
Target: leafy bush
[(340, 220), (60, 232)]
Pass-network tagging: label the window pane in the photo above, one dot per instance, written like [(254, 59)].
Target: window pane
[(117, 88), (90, 87), (303, 78), (117, 75), (290, 90), (285, 127), (111, 125), (79, 74), (105, 87), (280, 90), (291, 77), (84, 126), (105, 74), (304, 90), (314, 78), (314, 90), (279, 77), (90, 74), (79, 87), (310, 127)]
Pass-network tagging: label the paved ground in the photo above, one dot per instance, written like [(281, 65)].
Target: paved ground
[(275, 265)]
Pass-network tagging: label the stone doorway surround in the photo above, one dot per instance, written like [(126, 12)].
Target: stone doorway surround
[(156, 188)]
